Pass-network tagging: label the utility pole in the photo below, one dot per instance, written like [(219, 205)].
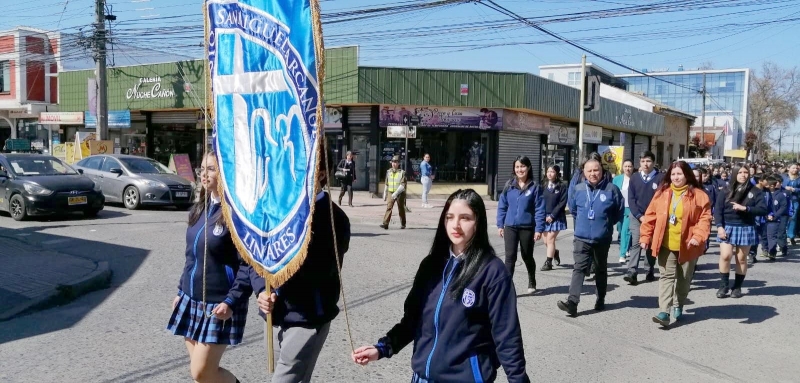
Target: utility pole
[(703, 117), (581, 104), (100, 59)]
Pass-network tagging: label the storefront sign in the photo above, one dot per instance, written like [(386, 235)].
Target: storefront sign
[(592, 134), (465, 89), (117, 119), (525, 122), (560, 135), (180, 163), (150, 87), (333, 118), (21, 113), (443, 117), (400, 131), (612, 158), (61, 118), (101, 147)]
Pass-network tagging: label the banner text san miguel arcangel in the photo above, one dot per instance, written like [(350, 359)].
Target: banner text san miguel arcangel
[(265, 80)]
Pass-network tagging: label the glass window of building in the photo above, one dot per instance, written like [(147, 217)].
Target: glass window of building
[(5, 77), (574, 78), (456, 156)]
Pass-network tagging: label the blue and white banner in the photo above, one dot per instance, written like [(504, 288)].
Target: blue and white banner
[(267, 104)]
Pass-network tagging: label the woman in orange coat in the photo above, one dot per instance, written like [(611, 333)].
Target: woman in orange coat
[(676, 226)]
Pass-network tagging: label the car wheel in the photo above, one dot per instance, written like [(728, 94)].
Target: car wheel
[(17, 208), (91, 213), (131, 198)]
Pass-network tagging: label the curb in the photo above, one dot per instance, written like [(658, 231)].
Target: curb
[(62, 294)]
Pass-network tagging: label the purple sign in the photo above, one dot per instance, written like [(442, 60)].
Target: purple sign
[(443, 117)]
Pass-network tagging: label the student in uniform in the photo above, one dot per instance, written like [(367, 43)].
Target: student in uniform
[(555, 202), (791, 183), (622, 182), (641, 191), (461, 312), (210, 309), (760, 182), (735, 218), (521, 217), (777, 219)]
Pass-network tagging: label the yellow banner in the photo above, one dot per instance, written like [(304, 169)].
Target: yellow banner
[(612, 158)]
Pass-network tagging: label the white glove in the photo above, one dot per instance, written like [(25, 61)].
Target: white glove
[(399, 191)]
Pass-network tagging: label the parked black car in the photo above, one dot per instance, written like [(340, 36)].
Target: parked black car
[(36, 184)]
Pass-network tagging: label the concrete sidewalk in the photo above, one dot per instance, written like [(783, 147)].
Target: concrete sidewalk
[(33, 278), (370, 210)]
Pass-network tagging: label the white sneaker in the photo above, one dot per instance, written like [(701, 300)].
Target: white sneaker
[(622, 260)]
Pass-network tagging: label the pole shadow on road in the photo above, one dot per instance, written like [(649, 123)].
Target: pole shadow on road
[(123, 262), (589, 290)]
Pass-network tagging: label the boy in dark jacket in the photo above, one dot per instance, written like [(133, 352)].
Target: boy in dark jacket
[(643, 185), (760, 182), (303, 307), (777, 220), (597, 205)]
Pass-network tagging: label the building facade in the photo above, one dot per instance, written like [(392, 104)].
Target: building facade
[(29, 64), (473, 124), (726, 97)]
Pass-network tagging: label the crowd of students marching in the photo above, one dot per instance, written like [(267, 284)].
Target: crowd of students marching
[(461, 311)]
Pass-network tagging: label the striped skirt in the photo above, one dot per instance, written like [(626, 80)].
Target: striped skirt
[(189, 321), (555, 226), (740, 236)]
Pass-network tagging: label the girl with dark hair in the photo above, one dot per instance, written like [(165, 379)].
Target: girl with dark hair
[(210, 309), (676, 226), (735, 217), (520, 218), (555, 201), (461, 311)]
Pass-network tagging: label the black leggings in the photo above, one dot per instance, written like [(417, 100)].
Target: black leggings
[(346, 187), (516, 237)]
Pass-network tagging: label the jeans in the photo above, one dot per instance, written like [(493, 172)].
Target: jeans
[(426, 188), (623, 227), (516, 237), (583, 252)]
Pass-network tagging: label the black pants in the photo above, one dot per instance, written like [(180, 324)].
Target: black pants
[(584, 253), (347, 186), (516, 237)]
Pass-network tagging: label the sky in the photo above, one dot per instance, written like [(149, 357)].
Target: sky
[(642, 34)]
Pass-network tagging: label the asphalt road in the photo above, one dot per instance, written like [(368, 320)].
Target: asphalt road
[(118, 335)]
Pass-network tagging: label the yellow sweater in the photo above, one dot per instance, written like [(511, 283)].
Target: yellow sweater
[(672, 236)]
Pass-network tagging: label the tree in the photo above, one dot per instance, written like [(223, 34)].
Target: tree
[(706, 65), (750, 140), (774, 103)]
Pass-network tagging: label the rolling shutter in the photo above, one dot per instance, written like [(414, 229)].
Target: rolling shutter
[(178, 117), (511, 145), (359, 115)]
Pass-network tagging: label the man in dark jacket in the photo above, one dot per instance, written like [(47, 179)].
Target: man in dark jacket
[(303, 307), (597, 206), (642, 188)]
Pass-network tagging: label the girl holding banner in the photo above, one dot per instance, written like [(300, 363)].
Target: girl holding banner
[(474, 301), (211, 306)]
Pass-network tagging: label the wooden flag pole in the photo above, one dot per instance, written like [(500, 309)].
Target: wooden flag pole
[(268, 332)]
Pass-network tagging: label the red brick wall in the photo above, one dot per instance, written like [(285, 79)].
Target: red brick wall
[(12, 70), (53, 85), (35, 81), (6, 44), (34, 44)]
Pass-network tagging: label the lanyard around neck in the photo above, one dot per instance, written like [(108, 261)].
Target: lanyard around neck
[(676, 201), (591, 196)]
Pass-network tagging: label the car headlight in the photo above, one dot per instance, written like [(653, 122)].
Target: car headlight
[(156, 184), (35, 189)]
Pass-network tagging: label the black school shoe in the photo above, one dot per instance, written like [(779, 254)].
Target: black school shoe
[(600, 304), (557, 258), (570, 307), (548, 265), (631, 279), (723, 292)]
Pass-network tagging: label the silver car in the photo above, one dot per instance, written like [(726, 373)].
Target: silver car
[(137, 181)]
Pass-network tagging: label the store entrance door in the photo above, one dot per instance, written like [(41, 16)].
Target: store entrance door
[(361, 151)]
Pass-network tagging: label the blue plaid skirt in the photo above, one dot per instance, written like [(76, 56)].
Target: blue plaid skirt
[(555, 226), (189, 321), (740, 236)]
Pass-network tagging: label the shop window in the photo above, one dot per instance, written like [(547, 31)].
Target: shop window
[(455, 156), (574, 79), (5, 77)]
